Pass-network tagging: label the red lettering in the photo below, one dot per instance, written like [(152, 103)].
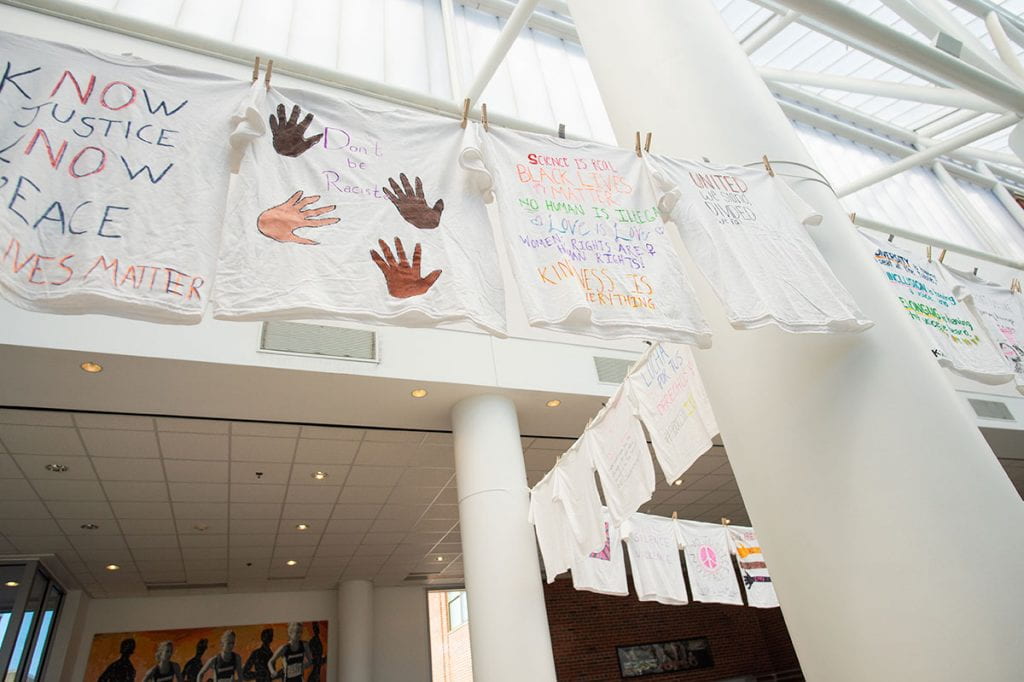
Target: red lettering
[(103, 95), (36, 268), (193, 288), (54, 160), (73, 166), (62, 265), (172, 280), (83, 97)]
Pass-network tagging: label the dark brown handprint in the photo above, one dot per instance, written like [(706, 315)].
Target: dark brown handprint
[(280, 222), (412, 204), (288, 135), (403, 279)]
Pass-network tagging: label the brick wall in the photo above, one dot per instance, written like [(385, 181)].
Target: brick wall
[(586, 628), (450, 657)]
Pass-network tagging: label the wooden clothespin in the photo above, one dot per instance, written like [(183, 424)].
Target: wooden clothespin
[(483, 117), (928, 252), (465, 112), (255, 69), (975, 272), (647, 142), (942, 255), (638, 152), (270, 70), (561, 131), (726, 521), (853, 216), (675, 515), (891, 237), (768, 165)]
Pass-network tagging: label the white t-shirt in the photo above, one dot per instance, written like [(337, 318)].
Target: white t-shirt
[(1000, 312), (669, 397), (708, 562), (553, 534), (575, 489), (346, 212), (949, 328), (616, 444), (753, 571), (654, 556), (113, 173), (585, 241), (604, 570), (743, 229)]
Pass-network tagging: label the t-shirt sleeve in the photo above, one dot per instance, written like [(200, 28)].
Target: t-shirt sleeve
[(665, 188), (247, 123), (627, 529), (472, 159), (804, 212)]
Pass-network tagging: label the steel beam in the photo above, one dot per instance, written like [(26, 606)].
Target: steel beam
[(968, 213), (513, 27), (885, 228), (1008, 201), (900, 46), (768, 30)]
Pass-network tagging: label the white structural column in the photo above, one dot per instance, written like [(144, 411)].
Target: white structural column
[(891, 530), (508, 622), (355, 641)]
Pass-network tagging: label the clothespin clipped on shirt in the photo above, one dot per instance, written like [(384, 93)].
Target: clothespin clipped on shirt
[(853, 216), (483, 117), (706, 159), (561, 131), (975, 272), (675, 515), (726, 521), (255, 69), (465, 112), (270, 70), (647, 142), (891, 237), (768, 165), (928, 252), (942, 255), (638, 152)]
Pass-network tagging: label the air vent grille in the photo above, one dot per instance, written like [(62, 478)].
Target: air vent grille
[(168, 587), (421, 577), (991, 409), (611, 370), (319, 340)]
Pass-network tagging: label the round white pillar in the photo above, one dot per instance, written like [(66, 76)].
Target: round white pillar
[(890, 528), (508, 622), (355, 639)]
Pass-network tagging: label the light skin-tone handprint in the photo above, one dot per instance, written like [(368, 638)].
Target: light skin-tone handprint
[(403, 279), (280, 222), (289, 136), (412, 203)]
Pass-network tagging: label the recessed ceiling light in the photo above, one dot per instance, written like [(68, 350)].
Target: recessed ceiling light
[(440, 558), (555, 402), (89, 526), (91, 367), (302, 526), (291, 562), (319, 475), (11, 583), (678, 481), (419, 393), (57, 468), (113, 567), (201, 527)]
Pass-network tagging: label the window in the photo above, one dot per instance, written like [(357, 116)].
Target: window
[(30, 603), (458, 614)]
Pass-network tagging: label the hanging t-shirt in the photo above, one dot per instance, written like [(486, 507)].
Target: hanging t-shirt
[(343, 211), (113, 173), (603, 570), (743, 229), (584, 238), (1000, 311), (669, 397), (553, 534), (615, 442), (575, 489), (753, 571), (654, 557), (708, 562), (949, 328)]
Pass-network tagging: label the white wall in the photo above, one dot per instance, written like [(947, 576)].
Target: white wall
[(200, 610), (401, 635)]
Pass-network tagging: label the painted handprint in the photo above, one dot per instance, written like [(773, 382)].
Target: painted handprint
[(288, 136), (403, 279), (412, 204), (280, 222)]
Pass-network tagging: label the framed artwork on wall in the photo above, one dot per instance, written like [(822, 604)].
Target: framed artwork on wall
[(263, 652), (640, 660)]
